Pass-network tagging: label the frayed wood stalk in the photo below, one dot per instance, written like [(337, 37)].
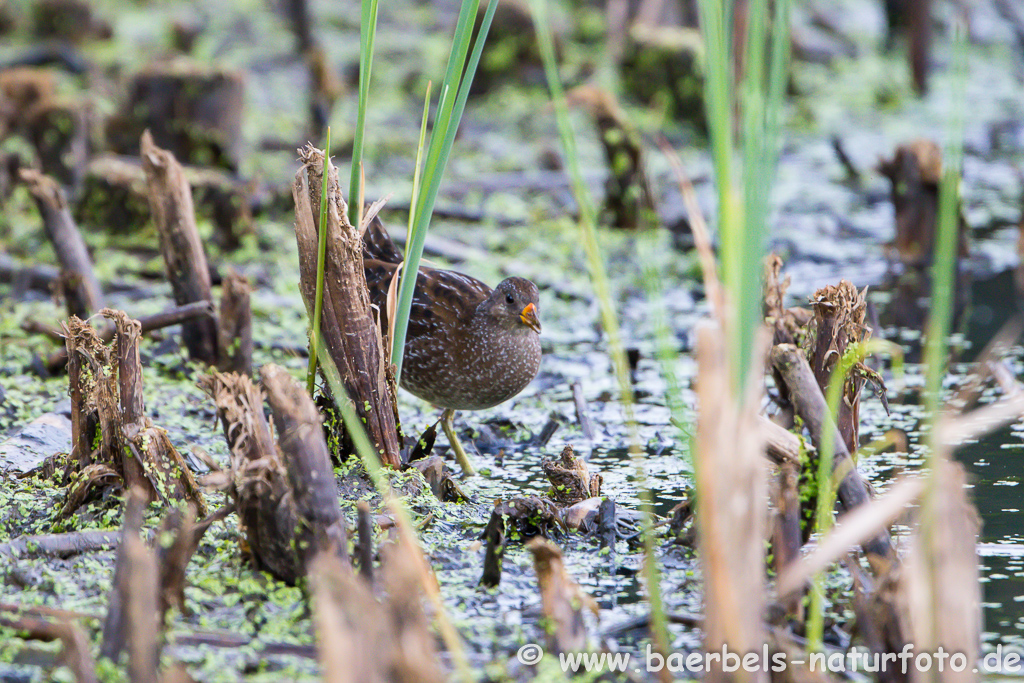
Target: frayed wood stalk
[(285, 493), (940, 583), (788, 324), (349, 330), (839, 323), (82, 344), (149, 460), (301, 441), (731, 478), (562, 599), (235, 324), (96, 428), (791, 365), (570, 478), (170, 199), (256, 481), (129, 380), (81, 288), (106, 395)]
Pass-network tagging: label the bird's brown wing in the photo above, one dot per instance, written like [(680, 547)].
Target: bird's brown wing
[(377, 244), (441, 295)]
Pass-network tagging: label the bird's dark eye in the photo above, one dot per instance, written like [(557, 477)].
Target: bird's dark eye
[(509, 298)]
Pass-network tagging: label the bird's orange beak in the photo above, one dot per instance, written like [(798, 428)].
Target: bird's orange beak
[(530, 319)]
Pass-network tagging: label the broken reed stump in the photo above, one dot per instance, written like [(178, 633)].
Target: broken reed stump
[(562, 599), (662, 67), (629, 201), (285, 493), (170, 199), (915, 171), (941, 588), (300, 437), (59, 131), (81, 288), (788, 324), (349, 329), (570, 478), (147, 582), (809, 403), (494, 549), (113, 441), (787, 535), (838, 324), (132, 608), (193, 110), (364, 528), (730, 513), (114, 198), (234, 328)]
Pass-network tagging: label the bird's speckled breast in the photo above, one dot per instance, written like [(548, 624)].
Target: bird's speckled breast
[(493, 365)]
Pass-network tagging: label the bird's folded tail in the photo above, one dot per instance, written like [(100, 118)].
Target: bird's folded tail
[(377, 244)]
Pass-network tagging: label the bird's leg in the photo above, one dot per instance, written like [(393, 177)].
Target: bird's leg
[(460, 455)]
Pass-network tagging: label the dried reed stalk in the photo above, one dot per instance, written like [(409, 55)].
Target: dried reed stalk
[(284, 492), (81, 288), (350, 332), (170, 199), (730, 474)]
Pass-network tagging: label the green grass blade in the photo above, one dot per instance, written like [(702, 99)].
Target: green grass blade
[(418, 170), (454, 91), (609, 319), (321, 253), (719, 100), (944, 261), (750, 238), (944, 283), (367, 37), (827, 479)]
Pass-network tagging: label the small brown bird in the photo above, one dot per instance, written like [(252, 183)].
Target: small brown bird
[(468, 347)]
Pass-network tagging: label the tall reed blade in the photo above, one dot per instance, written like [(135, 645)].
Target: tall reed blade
[(944, 283), (367, 37), (454, 92), (321, 255), (744, 191)]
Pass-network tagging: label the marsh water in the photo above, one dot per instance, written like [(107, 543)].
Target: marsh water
[(826, 225)]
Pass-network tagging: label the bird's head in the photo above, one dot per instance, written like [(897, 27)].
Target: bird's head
[(513, 303)]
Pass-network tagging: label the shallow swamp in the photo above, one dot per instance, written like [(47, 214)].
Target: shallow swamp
[(506, 208)]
